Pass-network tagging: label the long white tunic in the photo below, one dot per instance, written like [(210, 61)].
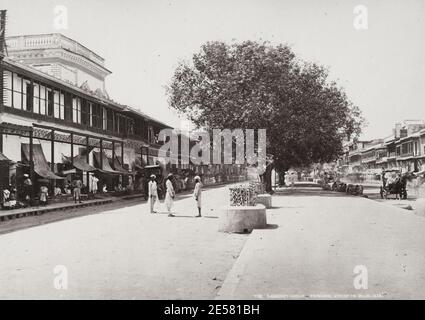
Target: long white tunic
[(153, 189), (197, 193), (94, 182), (169, 194)]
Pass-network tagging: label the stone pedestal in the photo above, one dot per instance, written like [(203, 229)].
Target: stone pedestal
[(242, 219), (265, 199)]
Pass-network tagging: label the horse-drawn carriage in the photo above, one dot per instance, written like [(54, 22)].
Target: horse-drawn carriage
[(394, 182)]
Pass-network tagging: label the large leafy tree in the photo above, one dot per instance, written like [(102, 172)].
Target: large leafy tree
[(252, 85)]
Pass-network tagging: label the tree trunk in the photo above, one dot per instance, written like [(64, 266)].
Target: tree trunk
[(267, 178)]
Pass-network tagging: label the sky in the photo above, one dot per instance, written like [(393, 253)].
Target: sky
[(381, 68)]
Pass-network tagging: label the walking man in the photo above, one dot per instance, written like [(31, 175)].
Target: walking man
[(153, 192), (197, 193), (170, 194)]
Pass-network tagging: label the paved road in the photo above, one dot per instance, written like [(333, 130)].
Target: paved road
[(124, 253), (315, 241)]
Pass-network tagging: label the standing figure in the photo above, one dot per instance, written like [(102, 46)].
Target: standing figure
[(43, 194), (384, 179), (197, 193), (153, 192), (78, 184), (169, 195), (27, 188), (94, 181)]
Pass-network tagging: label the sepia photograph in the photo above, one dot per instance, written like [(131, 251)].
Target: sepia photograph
[(225, 151)]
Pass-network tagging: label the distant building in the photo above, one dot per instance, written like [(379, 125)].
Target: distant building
[(404, 150)]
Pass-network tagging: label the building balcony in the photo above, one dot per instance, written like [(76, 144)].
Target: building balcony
[(405, 156), (369, 159), (51, 41), (382, 160)]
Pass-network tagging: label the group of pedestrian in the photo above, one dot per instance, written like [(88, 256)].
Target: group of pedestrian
[(170, 194)]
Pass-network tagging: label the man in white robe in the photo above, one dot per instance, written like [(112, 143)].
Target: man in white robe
[(169, 195), (153, 193), (197, 194)]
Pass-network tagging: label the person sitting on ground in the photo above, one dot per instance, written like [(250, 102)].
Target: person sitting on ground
[(119, 187), (6, 195), (13, 193)]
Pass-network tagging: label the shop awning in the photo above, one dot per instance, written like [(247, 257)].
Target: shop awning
[(138, 167), (106, 167), (3, 158), (81, 164), (119, 167), (41, 167), (155, 166)]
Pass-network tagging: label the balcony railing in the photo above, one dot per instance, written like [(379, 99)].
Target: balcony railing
[(51, 41)]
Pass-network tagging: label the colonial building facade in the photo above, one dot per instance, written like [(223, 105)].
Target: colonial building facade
[(58, 121), (56, 117), (403, 150)]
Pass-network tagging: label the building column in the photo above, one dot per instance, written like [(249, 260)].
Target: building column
[(87, 149), (101, 153), (72, 148), (52, 150), (113, 155), (1, 82), (122, 154), (52, 159), (88, 161), (31, 161), (1, 140)]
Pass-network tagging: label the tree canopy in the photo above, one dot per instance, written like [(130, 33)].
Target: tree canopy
[(252, 85)]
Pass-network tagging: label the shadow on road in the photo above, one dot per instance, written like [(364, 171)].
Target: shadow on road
[(309, 192), (271, 226)]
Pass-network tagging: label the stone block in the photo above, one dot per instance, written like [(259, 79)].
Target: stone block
[(265, 199), (242, 219)]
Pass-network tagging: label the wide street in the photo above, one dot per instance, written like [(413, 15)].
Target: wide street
[(313, 243)]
